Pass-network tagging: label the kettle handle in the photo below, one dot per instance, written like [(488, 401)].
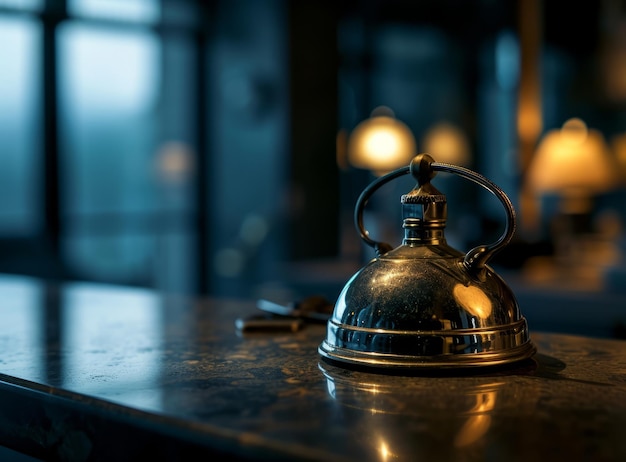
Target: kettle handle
[(476, 259)]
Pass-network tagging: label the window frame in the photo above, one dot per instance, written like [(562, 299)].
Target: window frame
[(41, 254)]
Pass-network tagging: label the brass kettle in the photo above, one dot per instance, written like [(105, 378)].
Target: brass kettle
[(425, 304)]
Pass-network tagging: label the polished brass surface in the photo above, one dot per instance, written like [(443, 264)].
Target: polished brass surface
[(425, 304)]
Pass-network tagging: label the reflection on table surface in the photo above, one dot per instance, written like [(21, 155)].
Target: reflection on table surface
[(181, 362)]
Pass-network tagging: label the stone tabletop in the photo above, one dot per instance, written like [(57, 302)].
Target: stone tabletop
[(96, 372)]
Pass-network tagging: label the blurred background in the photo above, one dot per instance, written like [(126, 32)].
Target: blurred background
[(210, 147)]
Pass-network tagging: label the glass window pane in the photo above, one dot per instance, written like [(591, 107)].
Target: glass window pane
[(20, 100), (128, 10), (22, 4), (109, 86)]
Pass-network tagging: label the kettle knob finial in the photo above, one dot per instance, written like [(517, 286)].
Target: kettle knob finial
[(420, 168)]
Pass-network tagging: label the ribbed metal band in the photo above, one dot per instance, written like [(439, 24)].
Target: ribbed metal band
[(422, 199), (383, 348)]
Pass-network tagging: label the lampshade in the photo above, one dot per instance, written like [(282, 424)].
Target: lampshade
[(573, 161), (381, 143)]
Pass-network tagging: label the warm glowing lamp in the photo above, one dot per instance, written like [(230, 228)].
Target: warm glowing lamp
[(447, 143), (381, 143), (574, 162)]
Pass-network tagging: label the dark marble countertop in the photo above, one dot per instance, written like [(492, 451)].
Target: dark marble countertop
[(95, 372)]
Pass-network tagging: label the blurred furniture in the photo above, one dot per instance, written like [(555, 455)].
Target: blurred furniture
[(566, 309), (96, 372)]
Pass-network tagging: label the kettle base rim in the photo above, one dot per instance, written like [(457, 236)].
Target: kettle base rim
[(377, 360)]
